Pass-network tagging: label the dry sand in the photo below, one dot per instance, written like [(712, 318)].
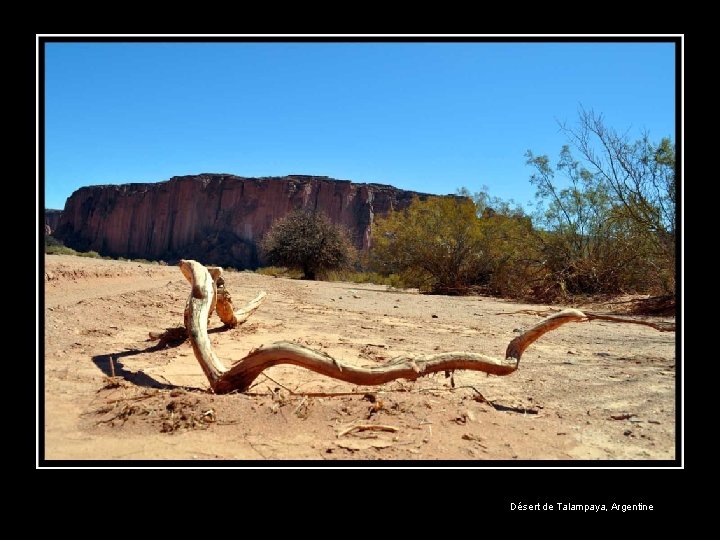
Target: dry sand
[(585, 391)]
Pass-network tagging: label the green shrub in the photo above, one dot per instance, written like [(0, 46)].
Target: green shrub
[(60, 250), (308, 241), (280, 271), (393, 280)]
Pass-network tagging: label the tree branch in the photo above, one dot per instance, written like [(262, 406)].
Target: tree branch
[(241, 375)]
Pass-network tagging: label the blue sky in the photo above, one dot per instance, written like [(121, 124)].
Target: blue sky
[(430, 117)]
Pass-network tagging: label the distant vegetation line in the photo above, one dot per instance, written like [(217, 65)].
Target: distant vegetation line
[(604, 224)]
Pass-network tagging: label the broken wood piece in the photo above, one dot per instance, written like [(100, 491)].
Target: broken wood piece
[(225, 310), (368, 427), (221, 302), (363, 444)]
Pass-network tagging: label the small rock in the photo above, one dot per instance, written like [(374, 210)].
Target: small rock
[(627, 432), (517, 330), (434, 316), (395, 307), (603, 354)]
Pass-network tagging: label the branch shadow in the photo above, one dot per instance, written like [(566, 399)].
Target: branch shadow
[(139, 378)]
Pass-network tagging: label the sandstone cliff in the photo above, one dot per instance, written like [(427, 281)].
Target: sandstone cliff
[(214, 218), (52, 218)]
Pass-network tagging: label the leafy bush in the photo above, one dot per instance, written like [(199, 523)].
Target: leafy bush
[(608, 219), (60, 250), (308, 241), (451, 245), (53, 246)]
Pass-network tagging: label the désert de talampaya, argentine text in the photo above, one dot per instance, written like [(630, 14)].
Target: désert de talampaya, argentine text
[(616, 507)]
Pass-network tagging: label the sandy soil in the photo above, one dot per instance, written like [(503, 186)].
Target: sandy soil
[(585, 391)]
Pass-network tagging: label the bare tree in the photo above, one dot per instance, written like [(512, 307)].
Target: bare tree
[(640, 174)]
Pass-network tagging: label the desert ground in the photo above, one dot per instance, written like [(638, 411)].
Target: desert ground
[(589, 391)]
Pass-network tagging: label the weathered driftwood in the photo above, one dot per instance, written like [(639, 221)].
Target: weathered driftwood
[(221, 301), (241, 375), (230, 316)]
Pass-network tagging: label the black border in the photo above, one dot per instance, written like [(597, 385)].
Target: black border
[(603, 478)]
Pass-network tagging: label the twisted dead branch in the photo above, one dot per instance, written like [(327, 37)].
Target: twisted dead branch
[(240, 375), (221, 301)]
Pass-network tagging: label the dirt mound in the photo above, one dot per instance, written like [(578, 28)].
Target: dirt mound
[(166, 412)]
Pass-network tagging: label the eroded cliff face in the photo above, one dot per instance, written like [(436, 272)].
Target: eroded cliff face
[(214, 218), (52, 219)]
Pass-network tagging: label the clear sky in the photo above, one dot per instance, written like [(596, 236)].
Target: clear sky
[(430, 117)]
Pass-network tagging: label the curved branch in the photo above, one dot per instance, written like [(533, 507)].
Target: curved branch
[(230, 316), (241, 375), (221, 301), (224, 305), (197, 311), (518, 345)]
